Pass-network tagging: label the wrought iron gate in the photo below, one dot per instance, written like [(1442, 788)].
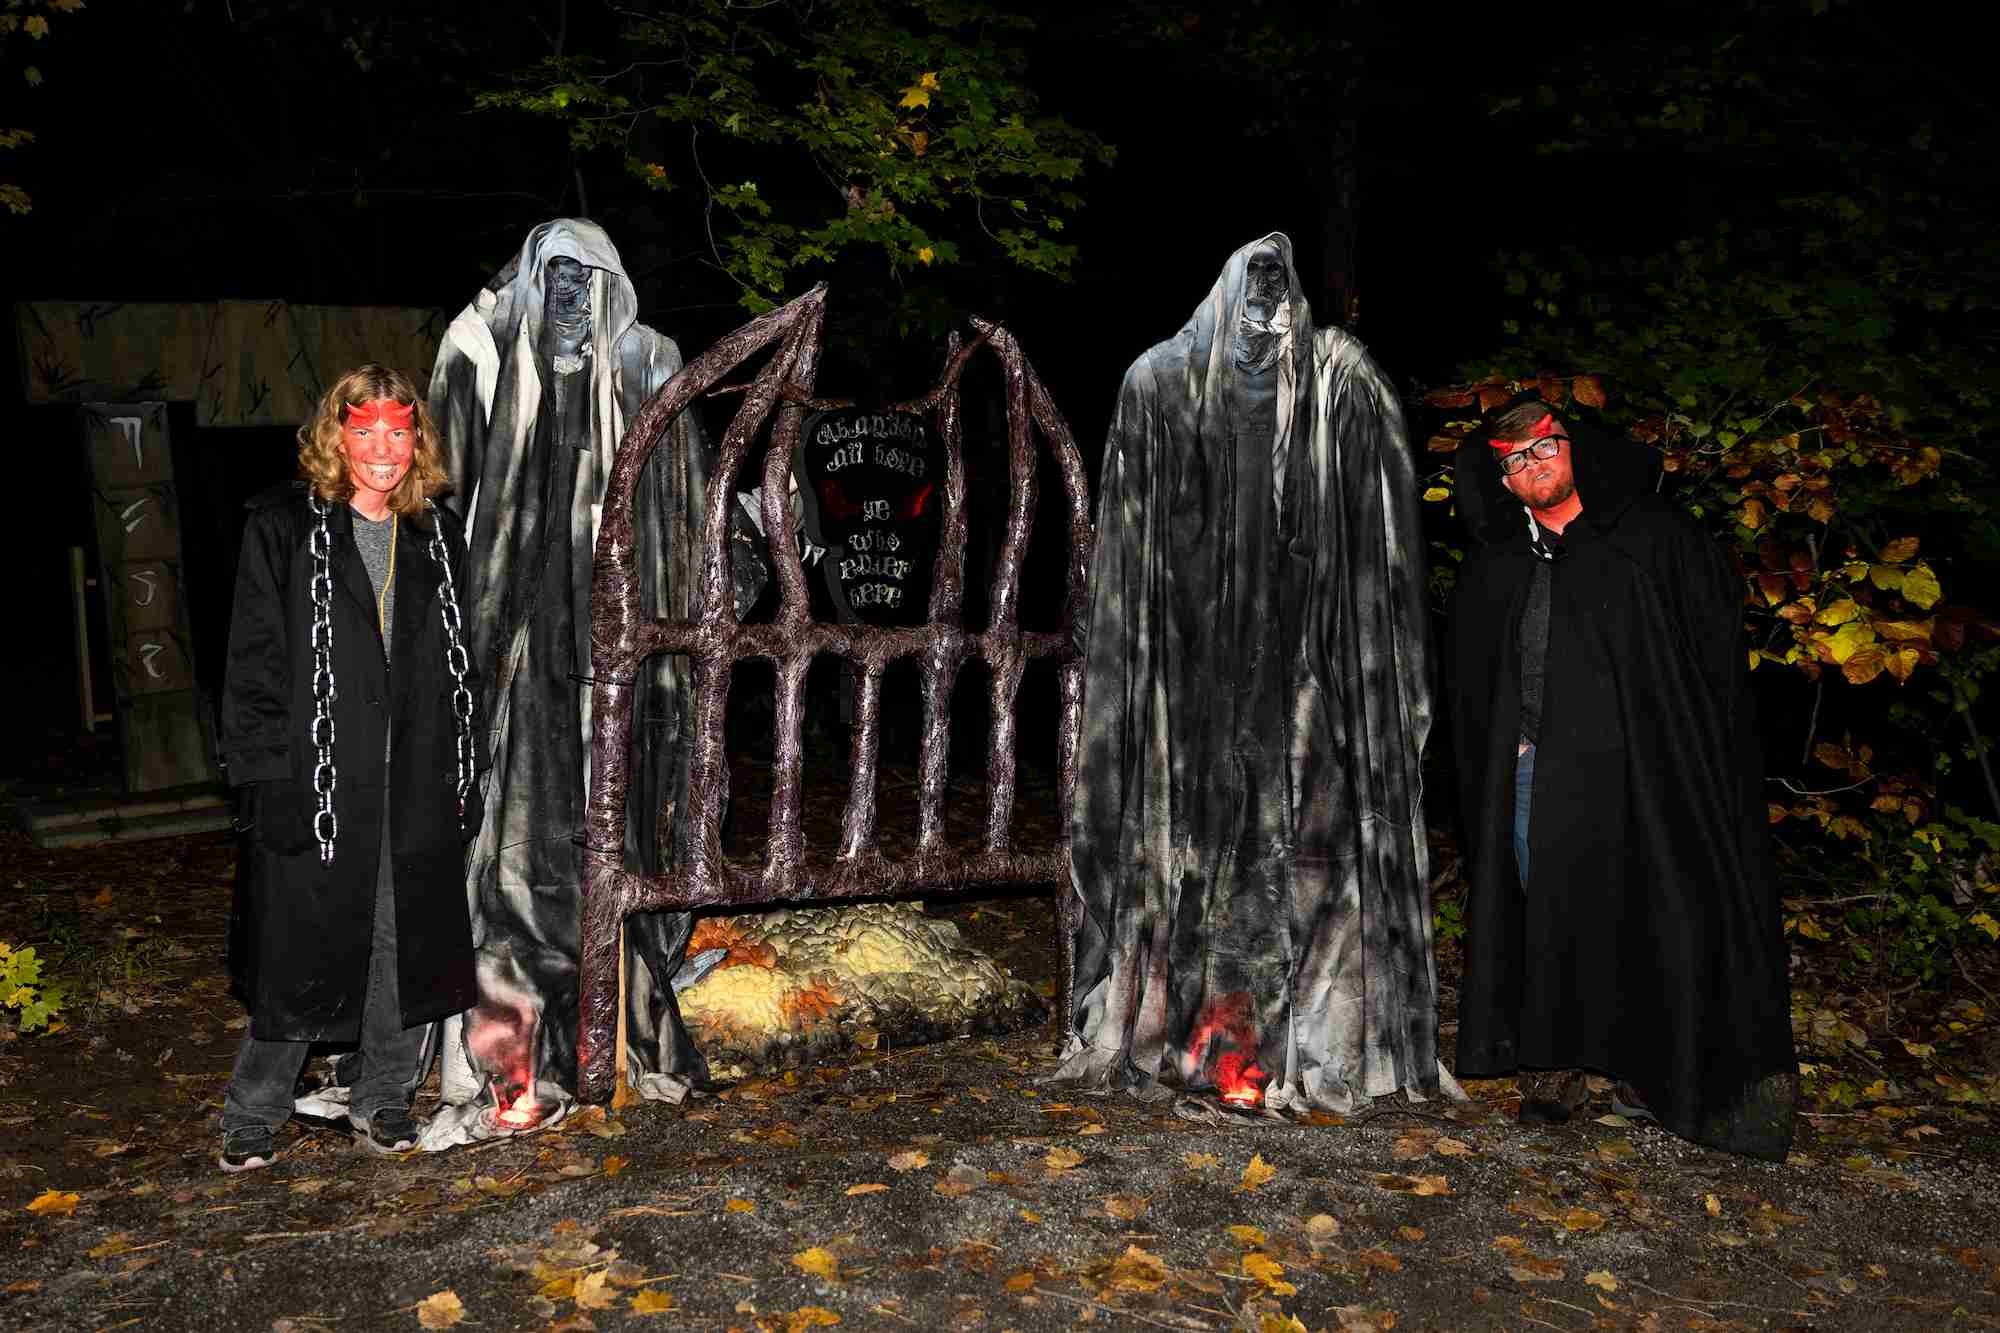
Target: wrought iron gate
[(620, 640)]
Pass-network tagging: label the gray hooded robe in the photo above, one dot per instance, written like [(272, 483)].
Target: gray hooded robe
[(1248, 835), (529, 451)]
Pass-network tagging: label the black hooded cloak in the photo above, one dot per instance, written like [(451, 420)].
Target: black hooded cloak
[(1648, 944), (1248, 836), (529, 451)]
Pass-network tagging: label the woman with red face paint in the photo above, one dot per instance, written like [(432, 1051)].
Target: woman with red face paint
[(350, 723)]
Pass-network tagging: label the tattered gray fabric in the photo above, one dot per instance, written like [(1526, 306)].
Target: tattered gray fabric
[(1248, 837), (532, 405)]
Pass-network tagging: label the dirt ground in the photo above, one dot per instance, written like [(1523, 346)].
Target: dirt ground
[(940, 1186)]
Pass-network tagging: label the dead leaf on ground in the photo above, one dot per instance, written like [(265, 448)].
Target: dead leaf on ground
[(441, 1310), (653, 1301), (1020, 1282), (819, 1262), (1412, 1234), (1322, 1226), (1381, 1259), (871, 1187), (1247, 1236), (1582, 1219), (1601, 1278), (613, 1165), (117, 1243), (910, 1159), (1424, 1185), (810, 1316), (60, 1203), (1062, 1159), (1125, 1207), (1450, 1147), (1258, 1174), (595, 1293), (1200, 1161), (1268, 1271), (1531, 1269), (1137, 1270), (740, 1206)]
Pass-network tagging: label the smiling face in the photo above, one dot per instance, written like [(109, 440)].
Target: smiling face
[(379, 439)]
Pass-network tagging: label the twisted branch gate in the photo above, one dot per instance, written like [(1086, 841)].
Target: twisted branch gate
[(620, 639)]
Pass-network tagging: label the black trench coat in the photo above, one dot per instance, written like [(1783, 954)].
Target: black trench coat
[(299, 939)]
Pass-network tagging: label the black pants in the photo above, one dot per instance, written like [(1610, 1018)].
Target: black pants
[(260, 1087)]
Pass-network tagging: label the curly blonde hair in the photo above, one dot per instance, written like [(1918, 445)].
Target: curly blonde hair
[(323, 462)]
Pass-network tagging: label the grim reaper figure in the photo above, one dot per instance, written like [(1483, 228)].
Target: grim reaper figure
[(532, 391), (1248, 837)]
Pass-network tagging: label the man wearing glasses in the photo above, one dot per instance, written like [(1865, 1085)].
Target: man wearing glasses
[(1623, 919)]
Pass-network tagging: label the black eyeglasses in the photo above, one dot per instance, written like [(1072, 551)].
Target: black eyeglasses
[(1546, 447)]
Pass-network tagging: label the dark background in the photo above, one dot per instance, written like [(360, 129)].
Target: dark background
[(231, 149)]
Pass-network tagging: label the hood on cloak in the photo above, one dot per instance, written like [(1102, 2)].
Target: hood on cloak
[(1210, 338), (1610, 470)]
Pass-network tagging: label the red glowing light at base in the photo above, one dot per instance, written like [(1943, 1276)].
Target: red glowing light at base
[(1226, 1022)]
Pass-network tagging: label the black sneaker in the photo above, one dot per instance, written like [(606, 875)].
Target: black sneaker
[(1552, 1096), (389, 1131), (247, 1149)]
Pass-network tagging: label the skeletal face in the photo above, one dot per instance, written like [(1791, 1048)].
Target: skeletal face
[(568, 288), (1266, 285)]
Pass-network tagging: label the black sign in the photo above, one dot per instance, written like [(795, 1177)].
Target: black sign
[(871, 481)]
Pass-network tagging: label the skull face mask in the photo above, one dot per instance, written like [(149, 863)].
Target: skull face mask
[(1267, 310)]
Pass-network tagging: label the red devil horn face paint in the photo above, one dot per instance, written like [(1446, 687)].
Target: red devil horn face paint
[(381, 412), (1546, 426)]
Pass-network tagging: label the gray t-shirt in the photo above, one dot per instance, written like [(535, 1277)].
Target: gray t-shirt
[(373, 539)]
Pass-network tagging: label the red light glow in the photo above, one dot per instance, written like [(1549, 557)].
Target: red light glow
[(1226, 1023)]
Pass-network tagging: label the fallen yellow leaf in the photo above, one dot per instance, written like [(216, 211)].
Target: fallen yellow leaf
[(1136, 1270), (58, 1202), (740, 1206), (613, 1165), (1268, 1271), (441, 1310), (1425, 1185), (1247, 1235), (1020, 1281), (1125, 1207), (595, 1293), (1582, 1219), (1454, 1148), (870, 1188), (819, 1262), (1322, 1226), (1412, 1234), (810, 1316), (1062, 1159), (1200, 1161), (653, 1301), (1602, 1279), (910, 1159), (1258, 1173), (1713, 1204)]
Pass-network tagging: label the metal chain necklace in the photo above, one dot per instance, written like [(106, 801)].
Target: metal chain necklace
[(326, 825), (455, 660)]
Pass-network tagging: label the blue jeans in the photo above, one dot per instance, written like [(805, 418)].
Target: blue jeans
[(391, 1064), (1524, 795)]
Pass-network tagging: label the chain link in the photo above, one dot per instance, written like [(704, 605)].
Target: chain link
[(326, 825), (455, 660)]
